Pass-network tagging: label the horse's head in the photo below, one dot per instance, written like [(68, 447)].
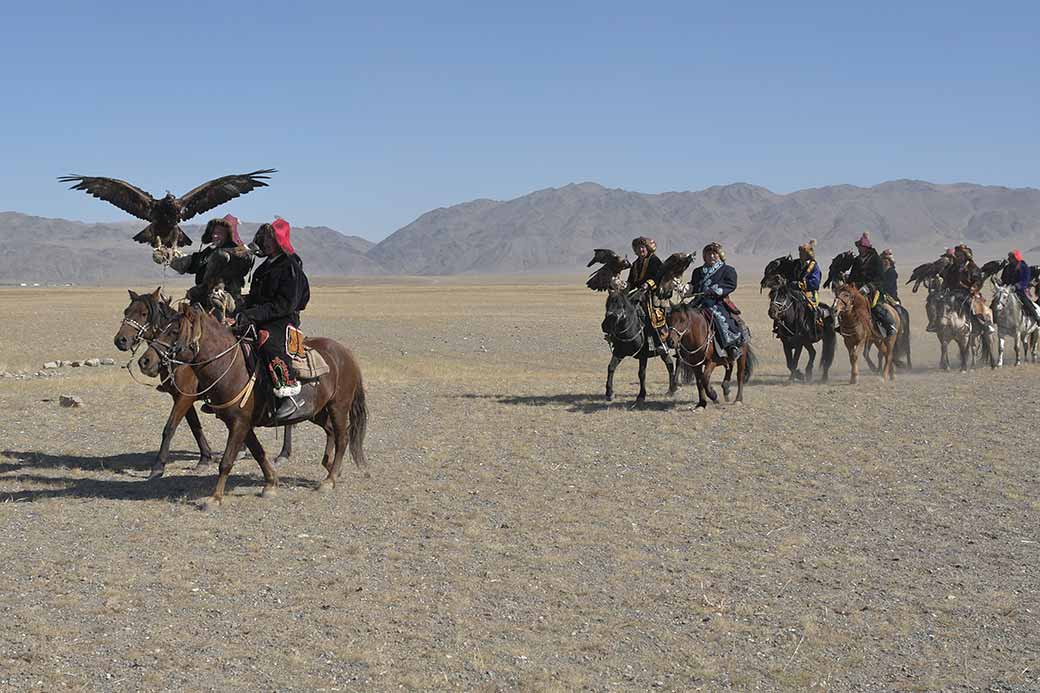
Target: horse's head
[(847, 299), (141, 318), (772, 274), (1001, 296), (617, 307), (781, 299), (680, 322), (177, 341)]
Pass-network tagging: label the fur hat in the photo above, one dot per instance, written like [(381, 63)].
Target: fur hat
[(864, 240), (649, 243), (229, 223), (808, 251), (714, 247)]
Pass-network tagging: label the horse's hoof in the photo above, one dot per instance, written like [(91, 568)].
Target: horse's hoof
[(210, 504), (610, 396), (269, 491), (156, 473), (205, 463), (325, 485), (280, 460)]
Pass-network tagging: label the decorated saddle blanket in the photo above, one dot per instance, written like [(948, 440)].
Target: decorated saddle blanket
[(307, 362)]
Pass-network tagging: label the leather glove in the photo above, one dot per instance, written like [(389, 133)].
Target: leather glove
[(181, 264)]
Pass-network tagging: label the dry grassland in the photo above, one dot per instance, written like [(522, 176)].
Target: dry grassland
[(518, 531)]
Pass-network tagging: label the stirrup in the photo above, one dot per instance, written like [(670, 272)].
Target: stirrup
[(284, 411)]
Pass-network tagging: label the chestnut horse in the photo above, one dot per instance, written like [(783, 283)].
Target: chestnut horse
[(197, 339), (142, 320), (857, 328), (692, 335)]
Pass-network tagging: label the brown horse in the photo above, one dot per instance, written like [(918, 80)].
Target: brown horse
[(692, 335), (142, 320), (857, 328), (195, 338)]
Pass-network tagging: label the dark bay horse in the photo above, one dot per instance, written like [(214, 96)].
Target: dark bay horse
[(195, 338), (692, 335), (795, 325), (142, 320), (624, 327)]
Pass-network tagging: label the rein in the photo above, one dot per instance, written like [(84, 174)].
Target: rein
[(169, 350)]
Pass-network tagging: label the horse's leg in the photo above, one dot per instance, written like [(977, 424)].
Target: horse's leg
[(673, 382), (286, 452), (181, 406), (876, 368), (709, 366), (725, 380), (322, 419), (944, 355), (238, 428), (1018, 358), (811, 363), (964, 349), (642, 377), (614, 361), (791, 354), (1000, 350), (889, 370), (853, 362), (339, 422), (270, 478)]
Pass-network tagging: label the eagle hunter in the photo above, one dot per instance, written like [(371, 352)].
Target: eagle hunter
[(165, 213)]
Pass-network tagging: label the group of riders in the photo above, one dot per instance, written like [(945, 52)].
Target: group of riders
[(278, 292), (957, 278)]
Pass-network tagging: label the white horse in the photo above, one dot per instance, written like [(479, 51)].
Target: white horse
[(1012, 321)]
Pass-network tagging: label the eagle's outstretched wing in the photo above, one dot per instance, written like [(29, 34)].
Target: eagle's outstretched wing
[(674, 267), (128, 198), (613, 265), (220, 190)]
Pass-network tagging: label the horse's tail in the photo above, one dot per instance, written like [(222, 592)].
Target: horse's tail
[(358, 426), (987, 349), (830, 341), (749, 366), (903, 340)]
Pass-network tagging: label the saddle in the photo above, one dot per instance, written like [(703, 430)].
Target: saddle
[(307, 363)]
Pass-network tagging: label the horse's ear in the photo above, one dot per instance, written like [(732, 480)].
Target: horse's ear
[(133, 295), (157, 294)]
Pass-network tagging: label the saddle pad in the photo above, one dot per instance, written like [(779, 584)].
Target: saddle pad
[(311, 367)]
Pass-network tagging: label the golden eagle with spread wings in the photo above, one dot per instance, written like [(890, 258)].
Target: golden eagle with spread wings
[(166, 213)]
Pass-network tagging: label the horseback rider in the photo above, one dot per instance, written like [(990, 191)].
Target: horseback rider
[(224, 246), (867, 274), (644, 275), (810, 283), (964, 278), (278, 292), (1018, 274), (889, 276), (715, 281)]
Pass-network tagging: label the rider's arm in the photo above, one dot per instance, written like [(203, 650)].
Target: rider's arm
[(724, 282)]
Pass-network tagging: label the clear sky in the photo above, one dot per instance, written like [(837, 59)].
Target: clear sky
[(374, 116)]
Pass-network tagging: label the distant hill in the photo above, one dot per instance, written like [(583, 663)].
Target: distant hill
[(556, 228), (37, 249)]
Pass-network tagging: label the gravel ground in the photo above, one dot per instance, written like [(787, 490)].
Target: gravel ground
[(517, 530)]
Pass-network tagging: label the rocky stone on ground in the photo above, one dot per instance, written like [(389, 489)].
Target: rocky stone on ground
[(70, 401)]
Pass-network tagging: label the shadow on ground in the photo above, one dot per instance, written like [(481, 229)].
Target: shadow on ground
[(177, 483)]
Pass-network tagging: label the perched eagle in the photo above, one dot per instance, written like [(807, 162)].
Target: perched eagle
[(991, 268), (606, 276), (165, 214), (674, 268), (929, 270)]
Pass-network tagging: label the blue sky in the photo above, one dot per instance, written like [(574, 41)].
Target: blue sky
[(374, 116)]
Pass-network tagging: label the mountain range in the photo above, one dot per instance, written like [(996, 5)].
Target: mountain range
[(555, 230)]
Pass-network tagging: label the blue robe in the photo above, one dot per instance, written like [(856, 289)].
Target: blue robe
[(716, 282)]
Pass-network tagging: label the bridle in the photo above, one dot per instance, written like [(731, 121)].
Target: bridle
[(619, 315), (167, 355), (702, 349)]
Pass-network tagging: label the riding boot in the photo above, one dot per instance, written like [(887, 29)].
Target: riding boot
[(287, 406), (733, 352), (659, 347), (884, 318)]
